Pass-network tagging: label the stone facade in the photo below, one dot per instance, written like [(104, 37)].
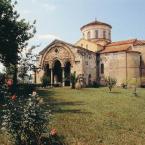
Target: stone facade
[(94, 57)]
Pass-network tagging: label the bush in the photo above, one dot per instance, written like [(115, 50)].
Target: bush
[(110, 82), (45, 80), (73, 80), (23, 118), (124, 86)]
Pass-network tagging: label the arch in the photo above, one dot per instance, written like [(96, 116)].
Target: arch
[(56, 60), (57, 73), (63, 46)]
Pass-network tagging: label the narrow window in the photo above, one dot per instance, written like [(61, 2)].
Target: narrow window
[(83, 35), (109, 35), (102, 68), (89, 35), (96, 34), (81, 45), (104, 34)]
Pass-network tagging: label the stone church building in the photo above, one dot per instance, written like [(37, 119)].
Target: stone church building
[(93, 58)]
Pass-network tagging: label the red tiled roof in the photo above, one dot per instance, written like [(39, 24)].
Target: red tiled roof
[(122, 45), (134, 42), (131, 41), (96, 23), (112, 49)]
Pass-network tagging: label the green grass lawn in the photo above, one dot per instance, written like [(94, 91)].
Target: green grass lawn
[(97, 117)]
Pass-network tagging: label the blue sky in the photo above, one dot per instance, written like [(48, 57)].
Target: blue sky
[(63, 18)]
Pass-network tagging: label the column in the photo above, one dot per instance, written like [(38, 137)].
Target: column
[(63, 77), (51, 77)]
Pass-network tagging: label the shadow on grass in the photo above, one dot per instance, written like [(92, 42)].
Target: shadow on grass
[(57, 106), (114, 92)]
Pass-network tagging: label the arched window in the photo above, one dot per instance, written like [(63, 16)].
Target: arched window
[(104, 34), (89, 35), (96, 34), (83, 35), (102, 68), (109, 35)]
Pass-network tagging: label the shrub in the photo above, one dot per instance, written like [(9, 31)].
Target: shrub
[(45, 80), (23, 118), (73, 80), (110, 82), (124, 86)]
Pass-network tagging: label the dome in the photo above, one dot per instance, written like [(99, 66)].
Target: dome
[(96, 23), (98, 32)]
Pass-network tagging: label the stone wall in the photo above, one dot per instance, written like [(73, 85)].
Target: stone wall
[(89, 66), (92, 46), (141, 49), (121, 65)]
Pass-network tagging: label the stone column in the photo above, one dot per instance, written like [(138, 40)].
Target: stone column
[(63, 77), (51, 77)]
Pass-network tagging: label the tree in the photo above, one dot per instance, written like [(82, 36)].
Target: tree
[(110, 82), (73, 80), (14, 35), (26, 64), (45, 80)]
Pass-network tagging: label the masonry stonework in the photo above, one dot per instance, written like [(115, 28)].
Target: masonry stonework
[(94, 57)]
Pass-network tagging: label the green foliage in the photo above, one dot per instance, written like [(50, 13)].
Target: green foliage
[(45, 80), (73, 80), (26, 65), (2, 88), (14, 35), (24, 118), (110, 82)]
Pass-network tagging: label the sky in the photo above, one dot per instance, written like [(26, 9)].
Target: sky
[(62, 19)]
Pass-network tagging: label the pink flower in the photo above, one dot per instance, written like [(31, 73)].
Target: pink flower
[(10, 82), (13, 97), (53, 132)]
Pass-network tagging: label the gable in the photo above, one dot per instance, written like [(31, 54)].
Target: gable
[(57, 50), (92, 46)]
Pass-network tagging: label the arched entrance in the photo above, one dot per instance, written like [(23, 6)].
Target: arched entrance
[(57, 73), (67, 73)]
